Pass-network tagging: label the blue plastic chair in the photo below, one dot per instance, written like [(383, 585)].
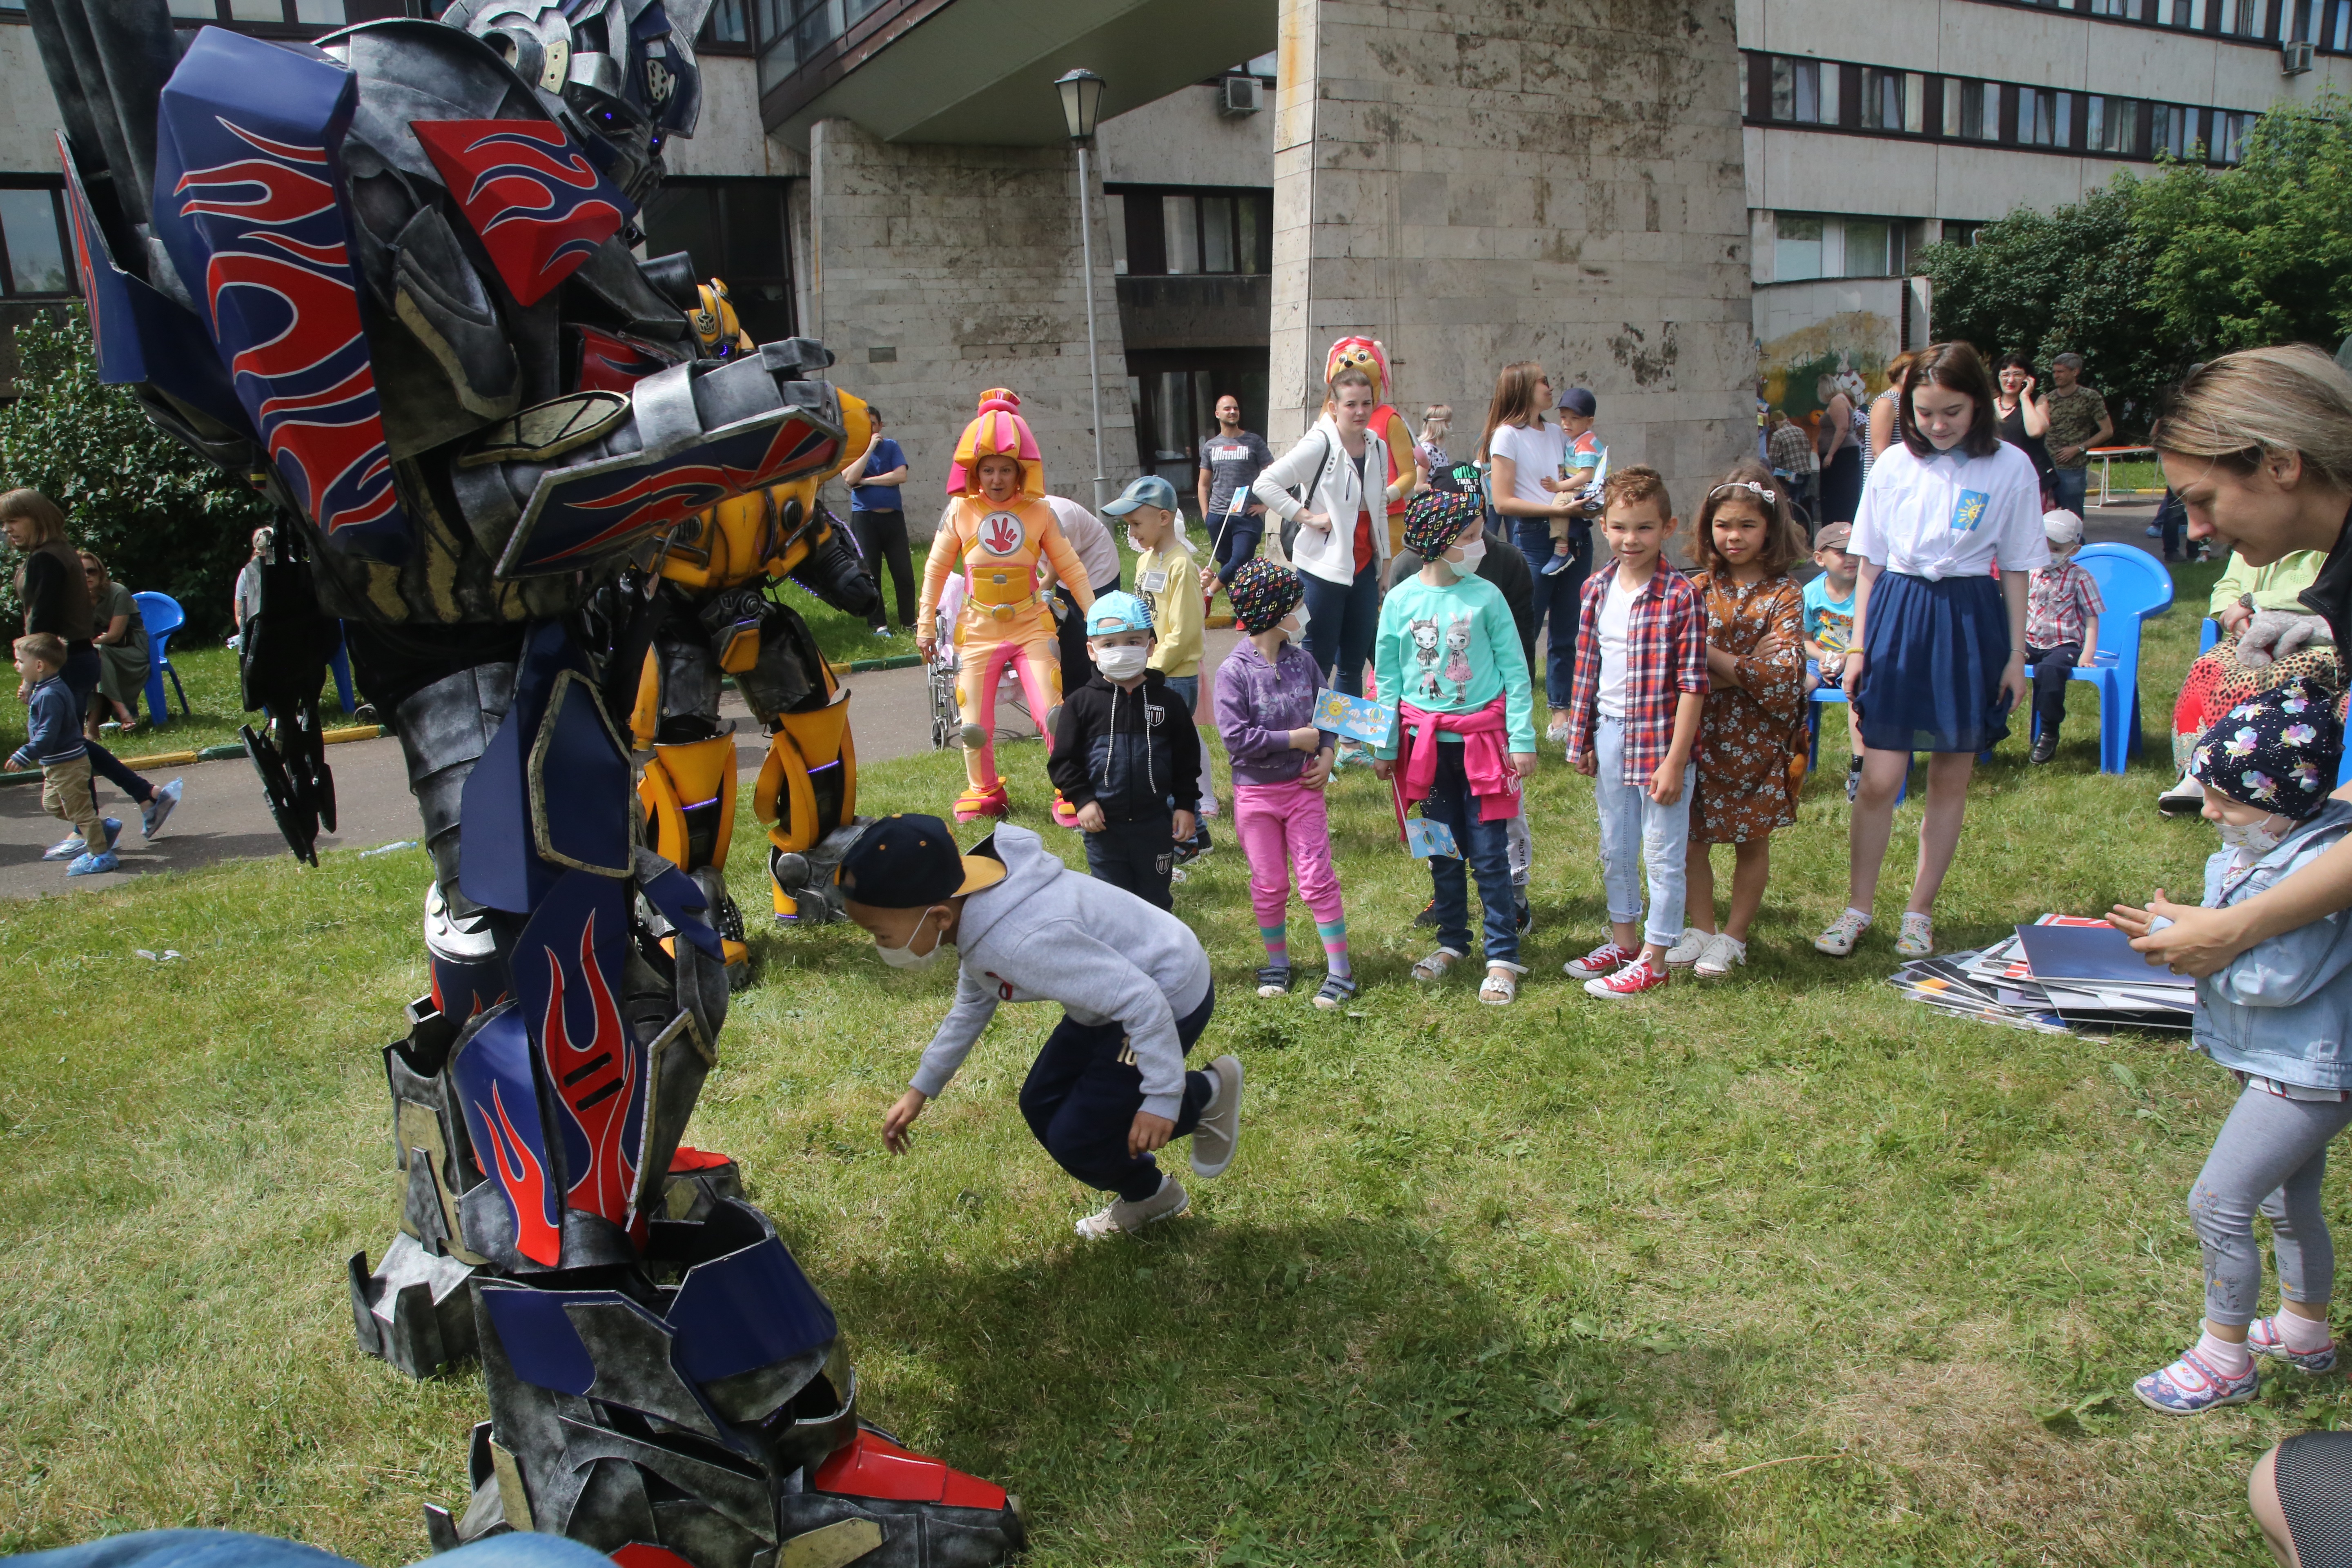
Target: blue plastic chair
[(162, 615), (1830, 692), (2209, 634), (341, 665), (2133, 585)]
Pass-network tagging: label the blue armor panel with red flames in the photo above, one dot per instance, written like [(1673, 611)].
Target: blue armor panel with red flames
[(538, 204)]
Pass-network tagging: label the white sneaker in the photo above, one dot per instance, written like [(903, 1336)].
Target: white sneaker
[(2186, 798), (1219, 1132), (1723, 953), (1843, 933), (1124, 1218), (1690, 949), (1917, 937)]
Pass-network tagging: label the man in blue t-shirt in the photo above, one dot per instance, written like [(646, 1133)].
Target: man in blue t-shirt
[(1230, 462), (879, 522)]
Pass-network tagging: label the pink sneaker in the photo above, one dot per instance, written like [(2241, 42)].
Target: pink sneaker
[(1606, 959), (1631, 981)]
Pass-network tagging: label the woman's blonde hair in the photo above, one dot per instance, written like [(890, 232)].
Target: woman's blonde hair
[(49, 522), (2249, 405)]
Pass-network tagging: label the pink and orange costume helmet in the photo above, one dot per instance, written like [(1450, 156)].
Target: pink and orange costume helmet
[(1006, 620), (1369, 355)]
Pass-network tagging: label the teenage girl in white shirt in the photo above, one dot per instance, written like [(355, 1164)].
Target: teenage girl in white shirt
[(1938, 655)]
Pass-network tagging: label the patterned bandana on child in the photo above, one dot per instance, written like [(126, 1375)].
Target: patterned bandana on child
[(1263, 593), (2278, 750), (1434, 518)]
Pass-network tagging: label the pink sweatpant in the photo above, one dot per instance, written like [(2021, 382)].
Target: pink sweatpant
[(1283, 827)]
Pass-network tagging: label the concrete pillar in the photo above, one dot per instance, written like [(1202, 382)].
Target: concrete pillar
[(938, 271), (1481, 181)]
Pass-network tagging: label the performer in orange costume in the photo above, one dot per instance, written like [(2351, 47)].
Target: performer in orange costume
[(997, 528), (1405, 475)]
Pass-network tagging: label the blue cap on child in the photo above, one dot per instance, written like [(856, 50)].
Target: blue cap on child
[(2278, 749), (1150, 490), (1117, 612)]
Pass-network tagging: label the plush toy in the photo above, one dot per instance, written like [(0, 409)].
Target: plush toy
[(2277, 634)]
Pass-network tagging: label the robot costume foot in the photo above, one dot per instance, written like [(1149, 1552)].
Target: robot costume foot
[(994, 801)]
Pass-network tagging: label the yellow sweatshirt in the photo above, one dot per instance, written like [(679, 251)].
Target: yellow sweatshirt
[(1167, 581)]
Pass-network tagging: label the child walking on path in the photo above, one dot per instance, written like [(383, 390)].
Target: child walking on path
[(1265, 712), (1938, 659), (2062, 626), (2277, 1017), (1751, 738), (1632, 721), (1109, 1084), (1448, 654), (53, 742)]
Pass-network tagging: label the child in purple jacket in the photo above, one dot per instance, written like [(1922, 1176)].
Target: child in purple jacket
[(1266, 698)]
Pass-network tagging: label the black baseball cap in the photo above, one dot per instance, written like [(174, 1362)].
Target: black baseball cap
[(1578, 401), (905, 862)]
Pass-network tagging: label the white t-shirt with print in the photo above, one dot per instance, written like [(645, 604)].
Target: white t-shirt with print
[(1536, 452), (1951, 516)]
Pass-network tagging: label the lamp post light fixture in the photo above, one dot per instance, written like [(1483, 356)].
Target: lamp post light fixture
[(1082, 92)]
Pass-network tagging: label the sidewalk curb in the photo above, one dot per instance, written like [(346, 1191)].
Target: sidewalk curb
[(210, 754)]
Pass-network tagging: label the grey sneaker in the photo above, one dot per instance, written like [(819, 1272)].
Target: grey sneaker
[(1220, 1131), (1690, 950), (1124, 1218), (158, 808)]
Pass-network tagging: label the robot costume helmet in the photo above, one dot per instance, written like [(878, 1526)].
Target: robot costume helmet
[(619, 75), (997, 431), (717, 331)]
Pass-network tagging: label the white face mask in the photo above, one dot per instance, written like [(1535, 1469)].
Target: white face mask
[(1466, 565), (1293, 625), (1121, 663), (906, 957), (2250, 838)]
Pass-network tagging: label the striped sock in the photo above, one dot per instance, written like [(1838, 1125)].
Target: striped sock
[(1278, 945), (1335, 947)]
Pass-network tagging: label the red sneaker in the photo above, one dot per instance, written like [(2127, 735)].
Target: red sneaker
[(1606, 959), (1631, 981)]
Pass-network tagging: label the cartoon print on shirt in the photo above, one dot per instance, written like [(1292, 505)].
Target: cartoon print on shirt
[(1425, 657), (1457, 656)]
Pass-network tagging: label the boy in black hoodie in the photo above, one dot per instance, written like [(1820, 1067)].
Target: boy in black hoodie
[(1127, 757)]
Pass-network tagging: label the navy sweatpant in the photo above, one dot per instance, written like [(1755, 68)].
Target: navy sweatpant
[(1138, 856), (1083, 1093)]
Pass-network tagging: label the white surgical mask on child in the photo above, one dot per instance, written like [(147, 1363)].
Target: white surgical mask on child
[(906, 957), (1293, 625), (2249, 838), (1467, 563), (1121, 663)]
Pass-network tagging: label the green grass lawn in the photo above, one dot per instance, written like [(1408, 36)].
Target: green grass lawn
[(1558, 1284)]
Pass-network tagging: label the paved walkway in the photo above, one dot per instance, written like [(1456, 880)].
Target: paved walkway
[(222, 816)]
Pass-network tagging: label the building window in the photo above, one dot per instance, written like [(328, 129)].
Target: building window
[(2173, 130), (2340, 38), (1178, 233), (2109, 7), (1882, 99), (1805, 92), (1874, 248), (1959, 232), (1973, 109), (2044, 118), (2110, 125), (1796, 248), (2229, 144), (735, 231), (783, 32), (33, 244)]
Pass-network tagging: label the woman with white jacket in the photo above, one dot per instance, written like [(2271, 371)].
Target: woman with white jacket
[(1342, 546)]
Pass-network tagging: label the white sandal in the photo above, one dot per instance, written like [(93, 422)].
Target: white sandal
[(1502, 986), (1434, 967)]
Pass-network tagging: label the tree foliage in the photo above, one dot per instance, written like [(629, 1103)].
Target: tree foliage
[(2147, 276), (158, 515)]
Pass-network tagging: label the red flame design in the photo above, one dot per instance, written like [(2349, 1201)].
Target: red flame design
[(596, 1082), (526, 1185)]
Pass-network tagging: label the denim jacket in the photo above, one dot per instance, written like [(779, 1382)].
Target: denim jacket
[(2283, 1009)]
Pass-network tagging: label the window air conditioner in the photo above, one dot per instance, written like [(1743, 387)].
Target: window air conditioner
[(1246, 94), (2294, 58)]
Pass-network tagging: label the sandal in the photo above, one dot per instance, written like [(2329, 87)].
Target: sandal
[(1274, 980), (1337, 990), (1502, 987), (1434, 967)]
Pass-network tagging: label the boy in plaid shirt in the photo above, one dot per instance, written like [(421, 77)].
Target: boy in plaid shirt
[(1632, 719), (2062, 626)]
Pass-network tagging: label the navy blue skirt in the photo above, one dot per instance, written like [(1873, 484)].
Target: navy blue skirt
[(1933, 654)]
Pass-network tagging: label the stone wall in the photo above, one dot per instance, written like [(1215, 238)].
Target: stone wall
[(1475, 182), (938, 271)]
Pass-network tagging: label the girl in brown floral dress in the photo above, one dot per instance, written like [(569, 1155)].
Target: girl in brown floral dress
[(1751, 740)]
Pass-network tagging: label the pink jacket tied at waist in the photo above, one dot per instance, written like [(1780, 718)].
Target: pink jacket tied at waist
[(1485, 758)]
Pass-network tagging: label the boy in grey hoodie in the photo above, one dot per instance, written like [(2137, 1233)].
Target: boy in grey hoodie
[(1110, 1085)]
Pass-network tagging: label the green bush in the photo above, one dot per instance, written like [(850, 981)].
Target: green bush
[(161, 518)]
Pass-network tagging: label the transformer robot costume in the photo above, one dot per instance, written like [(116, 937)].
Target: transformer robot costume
[(703, 616), (386, 279)]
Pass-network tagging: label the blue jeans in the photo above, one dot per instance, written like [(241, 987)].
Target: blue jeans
[(1485, 853), (228, 1548), (1557, 599), (1341, 619), (2067, 487), (1239, 542), (1636, 833), (1082, 1094)]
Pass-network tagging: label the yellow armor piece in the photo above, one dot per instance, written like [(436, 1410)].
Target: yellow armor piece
[(802, 745), (688, 792), (744, 538)]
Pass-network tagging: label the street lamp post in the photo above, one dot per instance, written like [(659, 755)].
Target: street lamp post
[(1082, 92)]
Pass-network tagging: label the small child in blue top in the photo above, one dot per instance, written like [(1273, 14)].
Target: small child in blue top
[(2279, 1018), (1829, 628), (53, 742)]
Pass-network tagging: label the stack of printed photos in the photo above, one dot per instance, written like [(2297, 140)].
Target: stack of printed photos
[(2061, 974)]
